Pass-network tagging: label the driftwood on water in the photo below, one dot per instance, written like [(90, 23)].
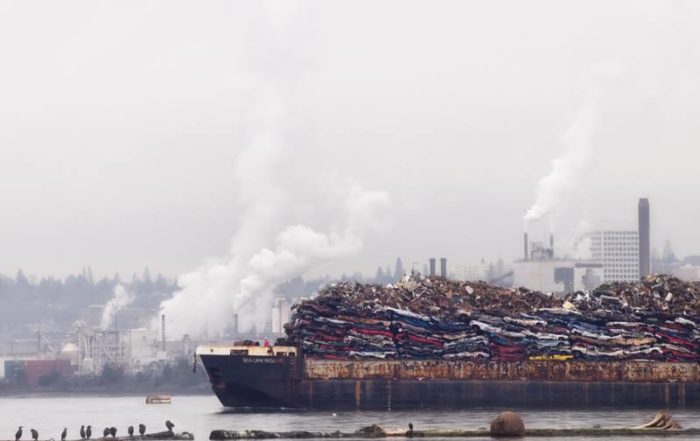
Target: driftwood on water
[(223, 435)]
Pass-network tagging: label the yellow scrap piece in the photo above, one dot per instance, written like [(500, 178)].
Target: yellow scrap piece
[(551, 357)]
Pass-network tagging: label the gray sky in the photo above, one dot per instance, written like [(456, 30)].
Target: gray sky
[(121, 124)]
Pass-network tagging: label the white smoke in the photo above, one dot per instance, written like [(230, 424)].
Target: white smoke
[(571, 167), (264, 251), (567, 170), (122, 297), (243, 282)]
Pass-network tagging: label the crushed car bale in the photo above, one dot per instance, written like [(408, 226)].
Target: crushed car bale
[(655, 319)]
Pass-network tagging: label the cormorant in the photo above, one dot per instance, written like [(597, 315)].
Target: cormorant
[(169, 425), (64, 434), (18, 434), (105, 432), (142, 429), (35, 434), (88, 432), (82, 432), (131, 431), (113, 431)]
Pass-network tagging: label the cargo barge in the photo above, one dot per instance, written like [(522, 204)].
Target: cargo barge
[(254, 377)]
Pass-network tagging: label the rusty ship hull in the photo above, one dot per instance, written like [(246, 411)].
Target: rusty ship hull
[(274, 381)]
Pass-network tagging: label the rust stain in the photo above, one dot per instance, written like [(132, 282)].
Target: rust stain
[(543, 370)]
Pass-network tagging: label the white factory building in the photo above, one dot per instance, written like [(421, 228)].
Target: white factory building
[(557, 276), (470, 271)]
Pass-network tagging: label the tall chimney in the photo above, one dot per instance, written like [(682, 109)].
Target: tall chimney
[(162, 330), (551, 241), (235, 324), (527, 254), (443, 267), (432, 266), (644, 239)]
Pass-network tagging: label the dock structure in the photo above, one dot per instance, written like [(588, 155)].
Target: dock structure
[(159, 436), (224, 435)]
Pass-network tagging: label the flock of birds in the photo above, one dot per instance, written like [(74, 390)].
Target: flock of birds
[(86, 433)]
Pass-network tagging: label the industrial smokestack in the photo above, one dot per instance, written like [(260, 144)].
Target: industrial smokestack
[(443, 267), (235, 324), (432, 266), (551, 241), (527, 254), (644, 239), (162, 331)]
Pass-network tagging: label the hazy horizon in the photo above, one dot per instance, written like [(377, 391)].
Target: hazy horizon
[(127, 129)]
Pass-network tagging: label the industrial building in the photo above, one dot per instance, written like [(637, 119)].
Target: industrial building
[(540, 270), (281, 311), (470, 272), (618, 252)]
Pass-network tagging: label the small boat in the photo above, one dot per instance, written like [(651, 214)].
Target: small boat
[(158, 399)]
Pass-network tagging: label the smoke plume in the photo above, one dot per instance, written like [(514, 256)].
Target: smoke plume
[(122, 297), (274, 183), (571, 167), (243, 282)]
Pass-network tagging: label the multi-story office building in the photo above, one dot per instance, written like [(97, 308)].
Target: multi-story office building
[(618, 250)]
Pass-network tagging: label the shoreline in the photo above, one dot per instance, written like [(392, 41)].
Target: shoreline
[(136, 391)]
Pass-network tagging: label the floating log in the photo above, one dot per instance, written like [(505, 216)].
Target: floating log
[(183, 436), (158, 399), (223, 435)]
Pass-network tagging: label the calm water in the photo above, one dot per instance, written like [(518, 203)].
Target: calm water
[(202, 414)]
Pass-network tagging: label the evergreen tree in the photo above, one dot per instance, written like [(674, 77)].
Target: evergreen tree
[(398, 269), (379, 277), (21, 280), (669, 255)]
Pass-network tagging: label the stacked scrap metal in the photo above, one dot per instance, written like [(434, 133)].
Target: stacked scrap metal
[(654, 293), (439, 318)]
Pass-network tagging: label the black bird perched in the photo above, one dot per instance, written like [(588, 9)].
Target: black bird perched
[(142, 429), (169, 425), (64, 434), (18, 434), (105, 432), (82, 432), (113, 431), (131, 431), (35, 434), (88, 432)]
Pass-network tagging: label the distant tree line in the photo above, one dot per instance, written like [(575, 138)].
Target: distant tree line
[(56, 304)]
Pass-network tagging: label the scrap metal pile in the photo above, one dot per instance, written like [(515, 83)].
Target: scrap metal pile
[(656, 319)]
